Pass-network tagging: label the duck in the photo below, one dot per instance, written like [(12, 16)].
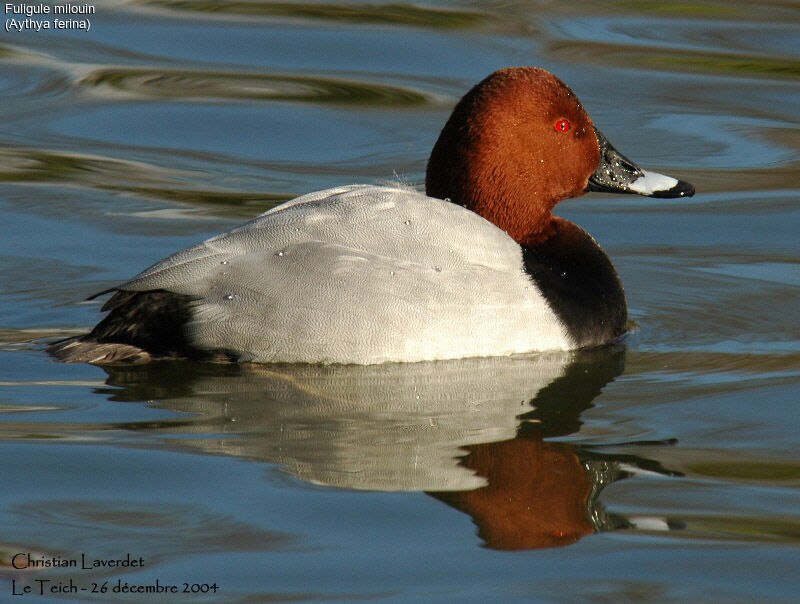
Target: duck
[(476, 266)]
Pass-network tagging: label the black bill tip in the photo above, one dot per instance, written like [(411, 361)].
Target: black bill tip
[(681, 189)]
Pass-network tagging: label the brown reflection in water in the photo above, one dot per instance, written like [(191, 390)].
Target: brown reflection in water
[(536, 497), (540, 493)]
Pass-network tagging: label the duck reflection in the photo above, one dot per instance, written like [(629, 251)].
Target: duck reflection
[(471, 433)]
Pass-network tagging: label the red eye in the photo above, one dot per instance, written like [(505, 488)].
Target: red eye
[(563, 126)]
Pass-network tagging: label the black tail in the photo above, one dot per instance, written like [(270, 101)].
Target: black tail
[(82, 349), (140, 327)]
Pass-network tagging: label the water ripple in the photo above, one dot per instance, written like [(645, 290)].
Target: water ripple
[(193, 85), (388, 14), (685, 61), (43, 165)]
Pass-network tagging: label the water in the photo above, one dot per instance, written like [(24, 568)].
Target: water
[(664, 470)]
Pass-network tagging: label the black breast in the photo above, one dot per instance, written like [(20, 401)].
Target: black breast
[(579, 282)]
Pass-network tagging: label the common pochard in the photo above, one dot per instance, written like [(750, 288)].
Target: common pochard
[(477, 266)]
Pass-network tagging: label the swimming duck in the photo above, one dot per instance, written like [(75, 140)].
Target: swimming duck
[(477, 266)]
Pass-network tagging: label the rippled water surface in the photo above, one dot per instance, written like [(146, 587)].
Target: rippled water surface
[(666, 470)]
